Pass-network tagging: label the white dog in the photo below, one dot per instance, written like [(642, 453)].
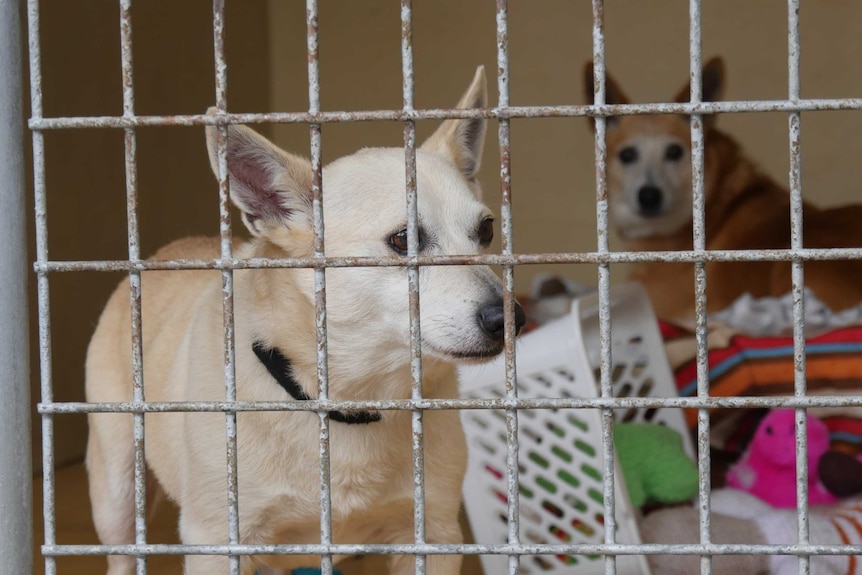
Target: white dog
[(461, 316)]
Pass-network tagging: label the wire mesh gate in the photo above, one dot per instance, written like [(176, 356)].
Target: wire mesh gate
[(16, 539)]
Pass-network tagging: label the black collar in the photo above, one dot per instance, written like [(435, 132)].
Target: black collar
[(279, 368)]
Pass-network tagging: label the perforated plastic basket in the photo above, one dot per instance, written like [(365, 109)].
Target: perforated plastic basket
[(560, 451)]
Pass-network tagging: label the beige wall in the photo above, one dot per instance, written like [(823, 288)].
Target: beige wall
[(173, 52), (552, 159)]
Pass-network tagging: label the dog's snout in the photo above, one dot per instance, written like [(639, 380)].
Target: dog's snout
[(492, 319), (650, 200)]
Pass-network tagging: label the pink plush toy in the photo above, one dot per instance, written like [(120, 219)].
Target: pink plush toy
[(768, 467)]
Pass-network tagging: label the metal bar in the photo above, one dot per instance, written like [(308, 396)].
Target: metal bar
[(513, 495), (417, 418), (699, 243), (605, 348), (42, 288), (319, 283), (798, 280), (685, 256), (735, 402), (133, 237), (448, 549), (727, 106), (226, 244), (16, 535)]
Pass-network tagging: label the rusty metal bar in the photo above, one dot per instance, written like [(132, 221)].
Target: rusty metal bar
[(42, 286), (315, 143), (16, 501), (684, 256), (727, 106), (513, 496), (133, 238), (226, 248), (798, 281), (604, 275), (699, 243), (447, 549), (736, 402), (417, 417)]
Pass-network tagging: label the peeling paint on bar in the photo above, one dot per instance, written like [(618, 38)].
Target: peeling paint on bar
[(42, 286), (133, 237), (448, 549), (604, 275), (798, 279), (511, 384), (427, 404), (699, 244), (315, 144), (683, 256), (226, 244), (809, 105), (417, 421)]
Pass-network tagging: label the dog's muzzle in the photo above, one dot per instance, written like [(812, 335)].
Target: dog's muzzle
[(492, 320), (650, 201)]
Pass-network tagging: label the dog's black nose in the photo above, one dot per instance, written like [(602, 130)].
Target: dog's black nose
[(650, 200), (491, 319)]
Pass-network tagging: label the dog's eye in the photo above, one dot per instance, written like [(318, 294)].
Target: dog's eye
[(486, 231), (628, 155), (673, 152), (398, 241)]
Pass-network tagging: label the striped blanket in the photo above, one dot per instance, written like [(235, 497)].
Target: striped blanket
[(740, 365)]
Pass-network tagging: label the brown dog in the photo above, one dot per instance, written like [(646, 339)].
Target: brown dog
[(650, 203)]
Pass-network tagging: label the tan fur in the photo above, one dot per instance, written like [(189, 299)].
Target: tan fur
[(745, 209), (279, 478)]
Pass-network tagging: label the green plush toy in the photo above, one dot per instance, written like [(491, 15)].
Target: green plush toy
[(654, 464)]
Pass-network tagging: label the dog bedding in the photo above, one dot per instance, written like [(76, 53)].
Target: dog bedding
[(758, 366)]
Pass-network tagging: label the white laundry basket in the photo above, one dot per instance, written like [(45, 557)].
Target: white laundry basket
[(560, 451)]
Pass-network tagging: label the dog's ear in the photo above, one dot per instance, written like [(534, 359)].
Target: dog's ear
[(463, 140), (270, 187), (712, 82), (613, 93)]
